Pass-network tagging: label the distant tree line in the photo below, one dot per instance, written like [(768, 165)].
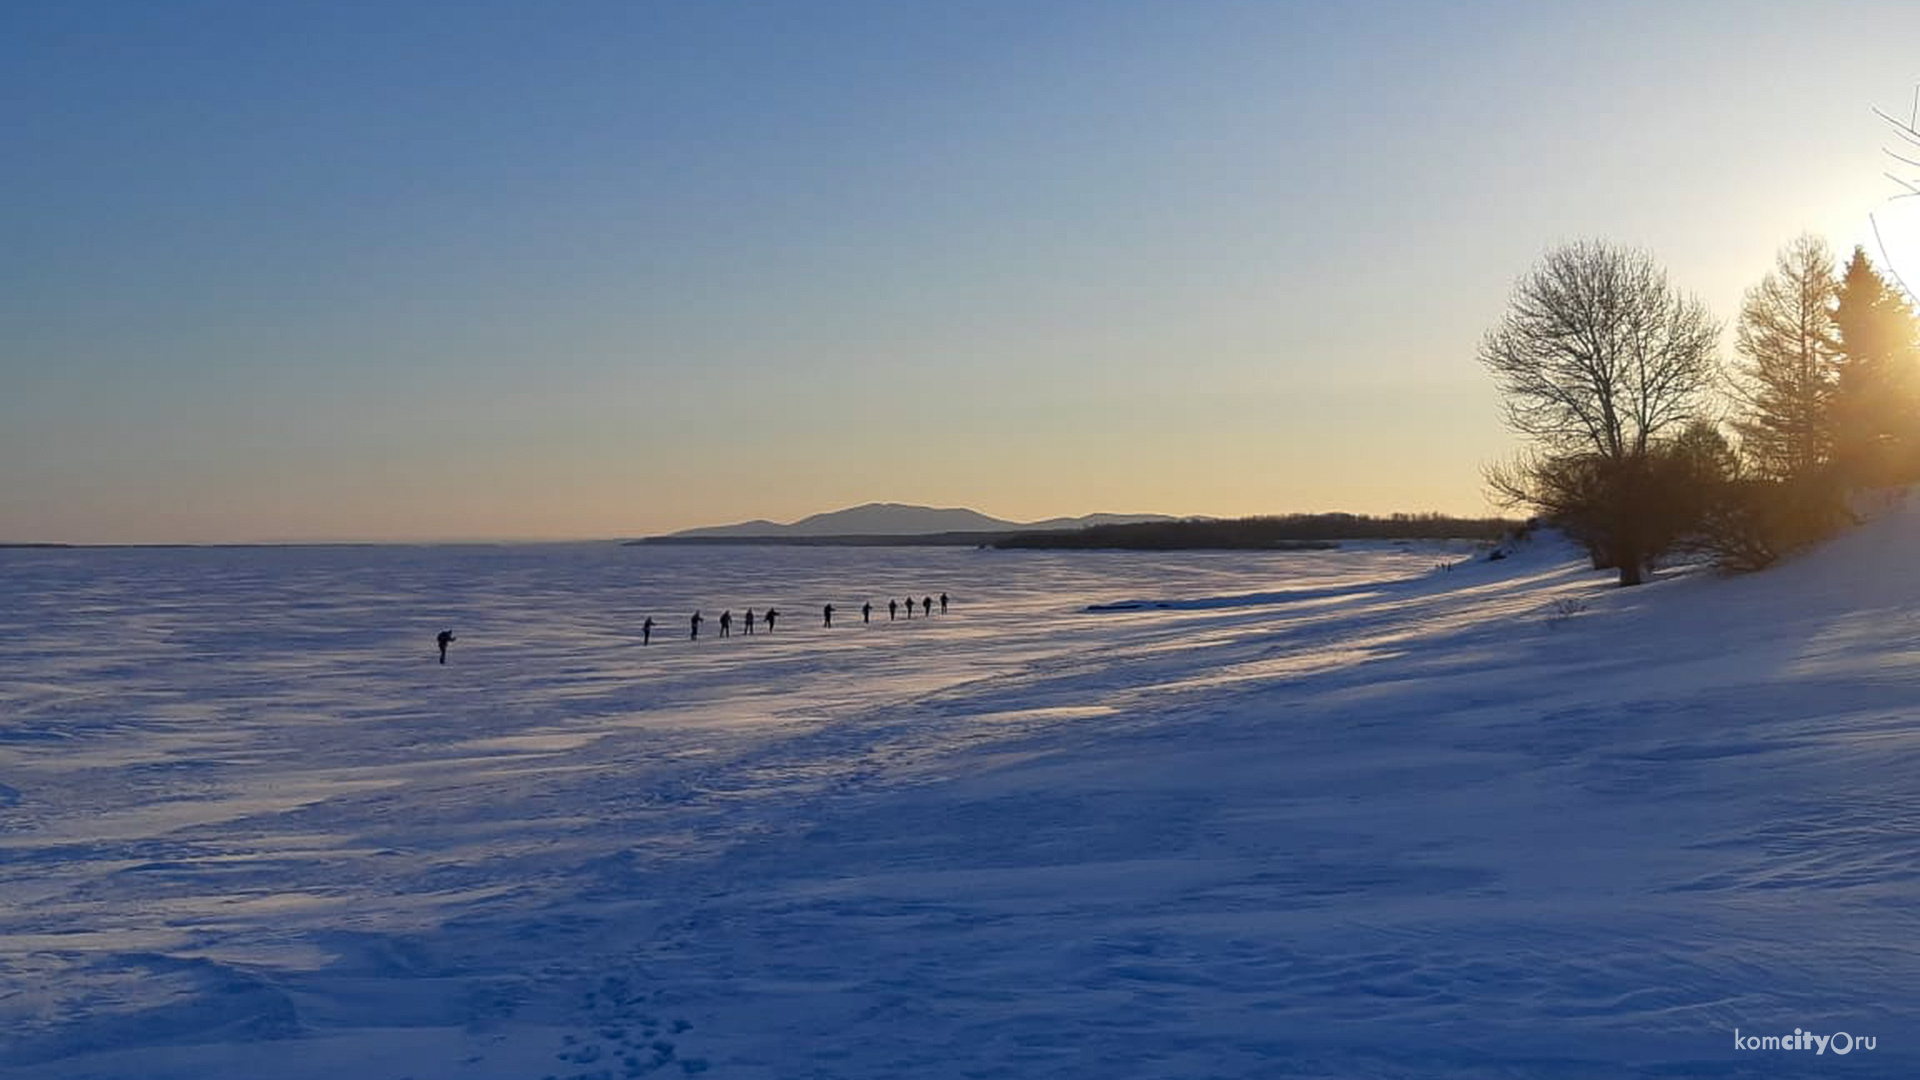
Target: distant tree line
[(1294, 532), (945, 539), (1643, 444)]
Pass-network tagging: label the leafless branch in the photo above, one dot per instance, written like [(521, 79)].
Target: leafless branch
[(1902, 160), (1886, 262)]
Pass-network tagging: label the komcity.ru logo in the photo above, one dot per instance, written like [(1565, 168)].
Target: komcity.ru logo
[(1839, 1042)]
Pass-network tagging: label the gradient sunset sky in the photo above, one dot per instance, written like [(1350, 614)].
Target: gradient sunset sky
[(279, 270)]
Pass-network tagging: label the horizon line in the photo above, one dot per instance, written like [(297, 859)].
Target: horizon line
[(502, 541)]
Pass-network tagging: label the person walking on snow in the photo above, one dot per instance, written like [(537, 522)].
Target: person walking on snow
[(866, 612), (770, 616), (695, 624), (749, 620), (826, 616), (444, 638), (726, 623), (943, 603), (646, 631), (893, 608), (926, 606)]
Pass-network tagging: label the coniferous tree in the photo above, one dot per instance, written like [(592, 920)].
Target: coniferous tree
[(1789, 345), (1877, 393)]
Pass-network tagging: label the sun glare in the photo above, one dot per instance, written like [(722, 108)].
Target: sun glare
[(1896, 229)]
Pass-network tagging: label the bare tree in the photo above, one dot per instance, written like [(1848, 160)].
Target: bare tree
[(1599, 359), (1790, 354)]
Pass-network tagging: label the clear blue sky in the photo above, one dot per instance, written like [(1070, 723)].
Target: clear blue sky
[(401, 270)]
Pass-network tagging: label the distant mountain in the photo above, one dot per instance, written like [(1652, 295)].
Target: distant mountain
[(899, 519), (1090, 520)]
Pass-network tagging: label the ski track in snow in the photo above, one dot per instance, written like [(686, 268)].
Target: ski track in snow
[(1114, 816)]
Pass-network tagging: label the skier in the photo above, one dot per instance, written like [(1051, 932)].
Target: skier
[(909, 609), (943, 603), (770, 616), (866, 612), (926, 606), (646, 631), (444, 638), (726, 623), (826, 616), (695, 624), (749, 620), (893, 608)]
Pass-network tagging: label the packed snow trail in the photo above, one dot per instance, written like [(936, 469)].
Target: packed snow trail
[(1277, 818)]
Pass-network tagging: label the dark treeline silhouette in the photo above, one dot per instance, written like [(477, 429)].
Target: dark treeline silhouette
[(1289, 532), (946, 539)]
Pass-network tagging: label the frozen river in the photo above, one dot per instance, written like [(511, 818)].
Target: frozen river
[(247, 757), (1112, 816)]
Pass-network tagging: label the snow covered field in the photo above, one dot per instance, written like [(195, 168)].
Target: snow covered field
[(1286, 815)]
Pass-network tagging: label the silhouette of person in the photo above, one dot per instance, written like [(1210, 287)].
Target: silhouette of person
[(826, 616), (749, 620), (926, 605), (726, 623), (893, 607), (646, 631), (695, 624), (770, 616), (943, 603), (909, 609), (866, 612), (444, 638)]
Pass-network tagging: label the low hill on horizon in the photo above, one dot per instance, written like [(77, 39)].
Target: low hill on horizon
[(903, 519)]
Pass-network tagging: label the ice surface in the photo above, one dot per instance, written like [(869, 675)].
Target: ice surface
[(1313, 814)]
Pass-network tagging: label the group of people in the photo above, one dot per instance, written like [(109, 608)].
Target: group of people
[(767, 618), (771, 616)]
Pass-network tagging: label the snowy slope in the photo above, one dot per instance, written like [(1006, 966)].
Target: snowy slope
[(1274, 816)]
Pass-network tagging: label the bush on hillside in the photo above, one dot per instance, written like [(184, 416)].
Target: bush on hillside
[(1753, 523)]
